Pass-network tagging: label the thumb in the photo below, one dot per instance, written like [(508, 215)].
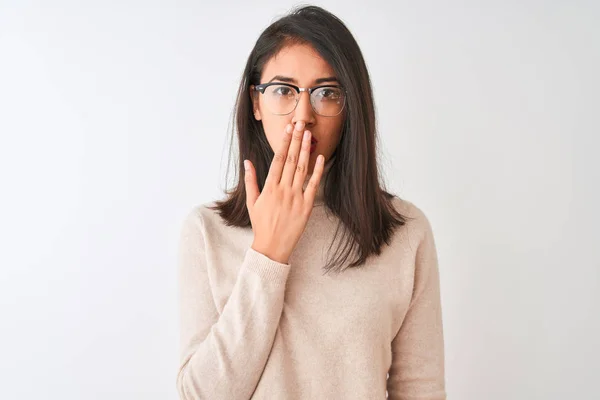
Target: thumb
[(252, 192)]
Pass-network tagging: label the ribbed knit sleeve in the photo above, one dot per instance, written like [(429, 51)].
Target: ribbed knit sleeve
[(223, 354), (417, 370)]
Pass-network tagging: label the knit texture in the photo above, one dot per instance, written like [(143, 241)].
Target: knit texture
[(254, 328)]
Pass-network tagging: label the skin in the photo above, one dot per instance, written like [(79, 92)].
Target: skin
[(304, 65), (280, 212)]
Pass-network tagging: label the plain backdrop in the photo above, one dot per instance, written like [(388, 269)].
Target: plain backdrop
[(114, 122)]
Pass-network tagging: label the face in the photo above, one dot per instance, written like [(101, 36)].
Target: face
[(304, 66)]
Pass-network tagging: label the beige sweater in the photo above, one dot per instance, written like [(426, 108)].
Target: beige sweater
[(253, 328)]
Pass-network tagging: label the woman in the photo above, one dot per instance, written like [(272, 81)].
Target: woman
[(309, 281)]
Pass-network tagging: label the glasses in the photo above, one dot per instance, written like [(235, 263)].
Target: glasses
[(282, 98)]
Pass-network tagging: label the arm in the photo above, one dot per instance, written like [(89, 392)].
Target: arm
[(223, 354), (417, 370)]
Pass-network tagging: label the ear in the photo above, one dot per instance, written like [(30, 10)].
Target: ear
[(255, 106)]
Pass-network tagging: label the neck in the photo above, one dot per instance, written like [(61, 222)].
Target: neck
[(320, 196)]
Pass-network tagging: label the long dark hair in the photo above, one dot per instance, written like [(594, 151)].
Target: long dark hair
[(367, 217)]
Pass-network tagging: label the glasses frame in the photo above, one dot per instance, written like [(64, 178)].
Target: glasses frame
[(261, 88)]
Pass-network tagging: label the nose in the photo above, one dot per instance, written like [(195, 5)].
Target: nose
[(304, 111)]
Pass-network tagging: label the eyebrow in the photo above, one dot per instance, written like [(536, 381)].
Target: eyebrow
[(292, 80)]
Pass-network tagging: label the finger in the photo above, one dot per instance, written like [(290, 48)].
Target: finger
[(313, 184), (303, 159), (278, 162), (289, 169), (251, 185)]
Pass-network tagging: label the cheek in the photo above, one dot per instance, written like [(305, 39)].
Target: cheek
[(274, 128), (329, 132), (331, 140)]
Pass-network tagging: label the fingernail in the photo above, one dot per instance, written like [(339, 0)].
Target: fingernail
[(288, 128), (320, 159), (299, 125), (306, 135), (246, 165)]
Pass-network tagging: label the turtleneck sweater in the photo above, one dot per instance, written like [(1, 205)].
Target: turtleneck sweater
[(254, 328)]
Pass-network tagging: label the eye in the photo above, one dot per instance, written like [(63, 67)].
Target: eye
[(329, 93), (283, 91)]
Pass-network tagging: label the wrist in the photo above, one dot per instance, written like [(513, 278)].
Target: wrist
[(273, 255)]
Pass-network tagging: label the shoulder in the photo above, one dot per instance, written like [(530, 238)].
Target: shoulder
[(418, 225), (202, 215), (418, 235), (206, 220)]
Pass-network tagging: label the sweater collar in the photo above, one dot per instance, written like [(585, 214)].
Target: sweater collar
[(320, 196)]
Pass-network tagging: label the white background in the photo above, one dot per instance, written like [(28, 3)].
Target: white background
[(114, 122)]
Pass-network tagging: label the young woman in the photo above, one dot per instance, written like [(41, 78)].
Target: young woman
[(309, 280)]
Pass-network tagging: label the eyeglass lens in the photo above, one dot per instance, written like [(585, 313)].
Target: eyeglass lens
[(326, 101)]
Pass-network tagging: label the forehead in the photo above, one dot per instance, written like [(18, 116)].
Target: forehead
[(299, 61)]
